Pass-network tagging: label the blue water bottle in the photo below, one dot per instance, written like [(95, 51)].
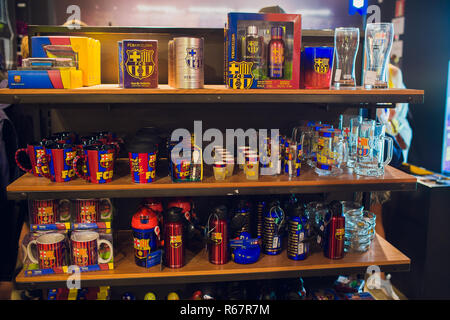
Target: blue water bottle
[(273, 225), (298, 232), (145, 235)]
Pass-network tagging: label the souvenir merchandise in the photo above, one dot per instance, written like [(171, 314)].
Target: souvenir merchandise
[(173, 233), (218, 233), (92, 213), (138, 63), (317, 63), (346, 43), (263, 51), (146, 235), (49, 214)]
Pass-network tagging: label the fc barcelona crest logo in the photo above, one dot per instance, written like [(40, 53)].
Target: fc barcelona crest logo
[(106, 160), (321, 65), (193, 58), (140, 64), (240, 75)]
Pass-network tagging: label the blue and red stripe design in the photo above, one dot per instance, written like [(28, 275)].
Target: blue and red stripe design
[(142, 167)]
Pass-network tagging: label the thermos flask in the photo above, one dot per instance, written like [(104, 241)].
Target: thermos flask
[(298, 231), (334, 231), (218, 250), (272, 229), (145, 234), (174, 256)]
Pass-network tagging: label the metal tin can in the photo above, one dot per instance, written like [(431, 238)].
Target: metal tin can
[(273, 224), (188, 57)]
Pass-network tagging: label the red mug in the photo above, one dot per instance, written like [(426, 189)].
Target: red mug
[(99, 162), (50, 248), (49, 211), (92, 210), (59, 160), (34, 151), (86, 248)]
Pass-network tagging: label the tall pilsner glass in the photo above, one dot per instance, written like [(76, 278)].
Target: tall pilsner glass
[(346, 43), (378, 45)]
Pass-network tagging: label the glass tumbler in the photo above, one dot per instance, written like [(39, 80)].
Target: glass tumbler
[(318, 66), (378, 45), (346, 43), (353, 141), (330, 152)]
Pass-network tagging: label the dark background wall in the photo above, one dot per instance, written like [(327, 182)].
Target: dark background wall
[(426, 55)]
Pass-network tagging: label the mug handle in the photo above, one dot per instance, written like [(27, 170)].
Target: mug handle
[(110, 205), (390, 150), (75, 167), (30, 252), (99, 243), (16, 156), (70, 213), (42, 161)]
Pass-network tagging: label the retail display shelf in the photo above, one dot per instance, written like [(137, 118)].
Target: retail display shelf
[(122, 186), (112, 93), (199, 269)]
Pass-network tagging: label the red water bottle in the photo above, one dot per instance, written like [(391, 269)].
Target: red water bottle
[(173, 238), (276, 53), (334, 231), (218, 236)]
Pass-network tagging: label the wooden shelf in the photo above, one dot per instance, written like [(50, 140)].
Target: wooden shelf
[(199, 269), (31, 187), (111, 93)]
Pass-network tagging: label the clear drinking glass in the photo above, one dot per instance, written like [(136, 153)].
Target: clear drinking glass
[(372, 149), (330, 152), (346, 43), (378, 45), (353, 141)]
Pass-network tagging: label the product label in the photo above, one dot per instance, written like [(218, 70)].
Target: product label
[(175, 241), (140, 64), (321, 65)]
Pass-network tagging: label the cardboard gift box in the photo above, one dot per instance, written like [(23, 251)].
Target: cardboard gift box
[(83, 50), (262, 51), (66, 78)]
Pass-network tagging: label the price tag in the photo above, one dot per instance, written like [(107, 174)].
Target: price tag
[(337, 75), (370, 78)]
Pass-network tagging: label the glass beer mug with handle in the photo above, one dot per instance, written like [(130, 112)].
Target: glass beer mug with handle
[(346, 42), (371, 150), (378, 44)]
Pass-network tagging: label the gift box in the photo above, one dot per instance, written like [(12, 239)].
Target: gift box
[(63, 78), (83, 50), (138, 63), (45, 252), (263, 51), (92, 214), (49, 214)]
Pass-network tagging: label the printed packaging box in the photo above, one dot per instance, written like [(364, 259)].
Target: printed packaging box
[(263, 51), (45, 252), (138, 63), (92, 249), (83, 50), (64, 214), (63, 78)]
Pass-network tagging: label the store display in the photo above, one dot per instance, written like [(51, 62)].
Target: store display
[(174, 247), (334, 231), (146, 234), (186, 63), (138, 63), (318, 67), (346, 43), (378, 42), (263, 51), (217, 233)]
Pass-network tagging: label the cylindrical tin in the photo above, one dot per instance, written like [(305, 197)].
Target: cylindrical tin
[(173, 239), (273, 221), (218, 236), (171, 66), (188, 57), (334, 232)]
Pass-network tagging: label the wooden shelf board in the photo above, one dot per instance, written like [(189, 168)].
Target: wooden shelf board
[(112, 93), (31, 187), (199, 269)]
